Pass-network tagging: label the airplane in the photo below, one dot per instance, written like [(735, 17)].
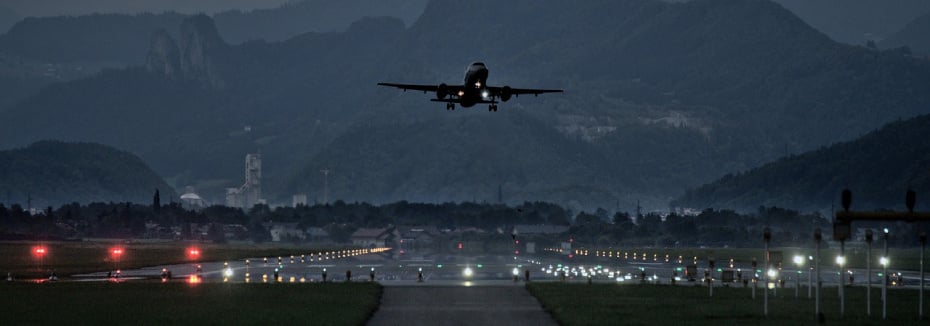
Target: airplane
[(475, 90)]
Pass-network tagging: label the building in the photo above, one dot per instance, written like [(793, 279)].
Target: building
[(374, 237), (539, 229), (250, 193), (299, 199), (191, 200), (284, 232), (317, 235), (417, 237)]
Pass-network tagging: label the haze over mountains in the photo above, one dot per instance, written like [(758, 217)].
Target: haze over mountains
[(913, 36), (659, 98), (857, 21)]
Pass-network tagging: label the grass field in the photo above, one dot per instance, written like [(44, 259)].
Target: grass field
[(67, 258), (600, 304), (151, 303)]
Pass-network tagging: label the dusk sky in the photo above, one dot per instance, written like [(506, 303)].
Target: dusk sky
[(79, 7)]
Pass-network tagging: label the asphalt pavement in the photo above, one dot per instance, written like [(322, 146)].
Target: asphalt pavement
[(459, 305)]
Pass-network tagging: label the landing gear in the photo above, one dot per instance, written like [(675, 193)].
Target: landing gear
[(492, 108), (450, 106)]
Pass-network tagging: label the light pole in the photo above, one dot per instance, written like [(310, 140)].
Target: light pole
[(868, 273), (841, 261), (766, 237), (884, 262), (923, 245), (810, 277), (817, 237), (39, 252), (798, 261)]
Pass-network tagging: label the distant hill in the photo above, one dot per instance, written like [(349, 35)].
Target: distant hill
[(8, 17), (659, 97), (913, 36), (878, 168), (857, 21), (55, 173)]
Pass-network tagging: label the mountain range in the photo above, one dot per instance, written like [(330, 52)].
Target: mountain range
[(913, 36), (38, 51), (660, 97), (878, 168), (857, 21), (51, 173)]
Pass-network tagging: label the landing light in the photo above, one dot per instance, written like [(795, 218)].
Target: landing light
[(484, 94)]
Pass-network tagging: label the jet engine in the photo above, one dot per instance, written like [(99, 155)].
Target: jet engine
[(506, 93), (442, 91)]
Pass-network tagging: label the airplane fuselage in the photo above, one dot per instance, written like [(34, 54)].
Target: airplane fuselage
[(474, 90), (476, 79)]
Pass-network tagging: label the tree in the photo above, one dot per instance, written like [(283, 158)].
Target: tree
[(156, 202)]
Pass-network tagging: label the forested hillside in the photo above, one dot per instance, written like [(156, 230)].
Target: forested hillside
[(53, 173), (878, 168)]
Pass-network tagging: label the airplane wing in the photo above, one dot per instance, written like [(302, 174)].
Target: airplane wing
[(424, 88), (498, 91)]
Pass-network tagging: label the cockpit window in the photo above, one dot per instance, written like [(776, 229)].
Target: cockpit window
[(478, 64)]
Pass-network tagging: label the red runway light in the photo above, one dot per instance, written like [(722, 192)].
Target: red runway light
[(116, 252), (39, 251), (193, 253)]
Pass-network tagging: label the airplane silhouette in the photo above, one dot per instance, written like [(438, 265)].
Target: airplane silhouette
[(475, 90)]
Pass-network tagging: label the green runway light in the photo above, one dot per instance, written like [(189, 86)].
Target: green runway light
[(678, 269), (439, 266), (480, 266)]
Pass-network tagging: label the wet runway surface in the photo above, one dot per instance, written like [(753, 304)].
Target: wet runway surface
[(459, 305)]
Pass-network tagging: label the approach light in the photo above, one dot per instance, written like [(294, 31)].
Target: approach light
[(467, 272), (840, 260), (516, 271), (228, 272), (772, 273), (799, 260), (884, 261)]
